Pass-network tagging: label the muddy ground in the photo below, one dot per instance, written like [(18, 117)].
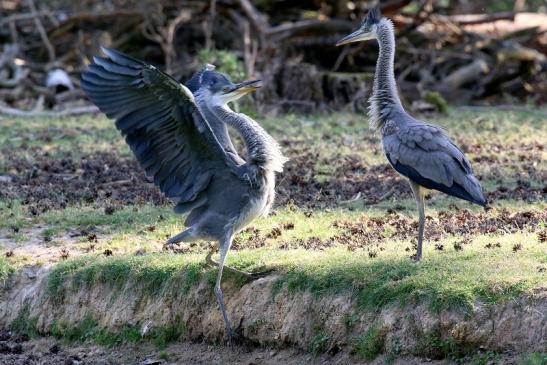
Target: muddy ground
[(15, 350), (510, 329), (106, 179)]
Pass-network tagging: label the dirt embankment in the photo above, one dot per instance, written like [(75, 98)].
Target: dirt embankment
[(327, 324)]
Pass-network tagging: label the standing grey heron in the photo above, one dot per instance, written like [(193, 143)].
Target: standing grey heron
[(420, 151), (179, 136)]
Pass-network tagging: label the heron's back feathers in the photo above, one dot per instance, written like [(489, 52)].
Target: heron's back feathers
[(426, 155)]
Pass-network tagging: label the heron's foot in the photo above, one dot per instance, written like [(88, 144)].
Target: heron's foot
[(247, 275), (175, 247), (169, 246), (234, 338)]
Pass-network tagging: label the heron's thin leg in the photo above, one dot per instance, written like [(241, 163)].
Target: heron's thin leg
[(224, 247), (246, 274), (418, 194)]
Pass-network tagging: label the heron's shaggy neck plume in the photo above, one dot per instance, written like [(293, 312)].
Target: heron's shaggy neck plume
[(262, 150), (385, 98)]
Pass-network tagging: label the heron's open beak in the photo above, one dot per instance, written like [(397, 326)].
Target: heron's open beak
[(246, 87), (357, 36)]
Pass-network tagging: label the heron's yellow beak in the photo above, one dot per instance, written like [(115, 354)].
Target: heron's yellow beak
[(357, 36), (246, 87)]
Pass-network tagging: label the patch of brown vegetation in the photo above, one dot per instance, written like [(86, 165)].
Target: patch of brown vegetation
[(108, 180), (371, 232), (103, 179), (299, 182)]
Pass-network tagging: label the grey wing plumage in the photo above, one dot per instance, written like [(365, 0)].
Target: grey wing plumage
[(161, 123), (424, 154)]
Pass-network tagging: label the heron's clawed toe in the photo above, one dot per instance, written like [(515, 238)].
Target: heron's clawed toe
[(235, 339), (260, 274), (170, 246)]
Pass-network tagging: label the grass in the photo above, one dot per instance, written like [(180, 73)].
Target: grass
[(432, 345), (320, 342), (151, 273), (445, 279), (371, 343), (90, 330), (536, 358), (24, 324), (6, 269)]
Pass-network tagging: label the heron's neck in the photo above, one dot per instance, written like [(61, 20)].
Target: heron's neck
[(385, 98), (262, 150), (217, 124)]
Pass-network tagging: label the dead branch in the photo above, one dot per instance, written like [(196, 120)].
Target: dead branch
[(257, 19), (14, 112), (472, 19), (70, 18), (466, 74), (284, 31)]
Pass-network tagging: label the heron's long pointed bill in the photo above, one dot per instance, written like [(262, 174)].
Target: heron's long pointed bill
[(357, 36), (246, 87)]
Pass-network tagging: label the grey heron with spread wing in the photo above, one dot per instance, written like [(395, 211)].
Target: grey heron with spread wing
[(179, 136), (420, 151)]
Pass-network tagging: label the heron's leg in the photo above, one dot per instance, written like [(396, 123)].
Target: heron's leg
[(246, 274), (419, 196), (224, 246)]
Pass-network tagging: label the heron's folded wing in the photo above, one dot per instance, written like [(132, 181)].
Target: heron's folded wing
[(161, 123), (423, 153)]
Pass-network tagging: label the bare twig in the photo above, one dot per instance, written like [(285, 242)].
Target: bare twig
[(42, 31), (169, 46), (341, 57), (209, 24), (13, 32)]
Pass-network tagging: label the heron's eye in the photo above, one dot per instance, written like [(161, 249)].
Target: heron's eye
[(225, 89)]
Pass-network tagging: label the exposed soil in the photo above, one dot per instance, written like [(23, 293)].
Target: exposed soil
[(15, 350), (103, 179), (299, 183), (369, 233), (285, 319), (108, 180)]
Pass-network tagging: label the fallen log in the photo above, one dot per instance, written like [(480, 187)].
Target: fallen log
[(14, 112), (466, 74)]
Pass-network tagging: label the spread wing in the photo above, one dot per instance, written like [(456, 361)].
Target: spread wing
[(423, 153), (161, 123)]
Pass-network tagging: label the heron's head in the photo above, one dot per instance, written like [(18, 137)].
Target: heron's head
[(367, 30), (218, 86)]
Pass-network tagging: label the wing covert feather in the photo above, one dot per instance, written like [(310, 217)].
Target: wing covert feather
[(161, 123)]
